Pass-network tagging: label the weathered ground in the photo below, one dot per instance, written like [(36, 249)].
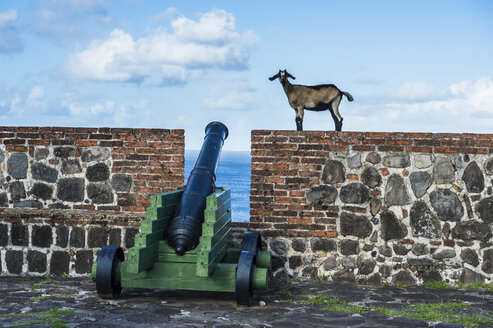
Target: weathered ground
[(74, 303)]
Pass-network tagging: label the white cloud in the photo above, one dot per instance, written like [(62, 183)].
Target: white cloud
[(60, 20), (163, 57), (466, 106), (235, 94), (10, 39)]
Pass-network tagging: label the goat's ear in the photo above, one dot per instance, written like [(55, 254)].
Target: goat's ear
[(272, 78), (289, 75)]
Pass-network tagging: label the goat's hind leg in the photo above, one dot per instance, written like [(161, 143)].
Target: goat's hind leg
[(334, 111)]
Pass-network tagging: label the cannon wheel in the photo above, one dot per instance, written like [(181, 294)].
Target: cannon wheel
[(107, 284), (252, 242), (244, 278)]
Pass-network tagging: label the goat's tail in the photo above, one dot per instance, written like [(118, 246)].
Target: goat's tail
[(348, 95)]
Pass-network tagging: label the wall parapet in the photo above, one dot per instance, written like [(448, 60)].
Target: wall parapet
[(113, 169), (375, 207)]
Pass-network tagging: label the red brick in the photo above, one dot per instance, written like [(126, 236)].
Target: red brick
[(435, 242), (384, 171), (474, 150), (330, 234), (39, 142), (378, 134), (354, 209), (86, 143), (27, 129), (352, 177), (419, 135), (16, 148), (302, 221), (449, 243), (390, 148), (427, 150), (363, 148), (84, 207), (446, 150)]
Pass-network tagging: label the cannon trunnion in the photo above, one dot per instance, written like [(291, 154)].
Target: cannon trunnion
[(182, 247)]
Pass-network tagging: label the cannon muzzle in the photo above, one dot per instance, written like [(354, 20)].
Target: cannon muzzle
[(185, 229)]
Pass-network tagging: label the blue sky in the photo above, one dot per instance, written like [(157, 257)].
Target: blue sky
[(410, 65)]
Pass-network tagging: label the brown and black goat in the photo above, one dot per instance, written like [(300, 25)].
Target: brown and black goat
[(317, 98)]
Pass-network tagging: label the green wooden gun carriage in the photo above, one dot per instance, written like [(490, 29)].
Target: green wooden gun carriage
[(158, 260)]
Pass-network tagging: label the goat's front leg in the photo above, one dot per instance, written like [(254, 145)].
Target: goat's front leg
[(299, 119)]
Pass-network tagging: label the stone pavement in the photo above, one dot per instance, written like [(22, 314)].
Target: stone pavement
[(71, 302)]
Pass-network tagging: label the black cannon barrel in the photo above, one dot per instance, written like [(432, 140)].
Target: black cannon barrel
[(186, 227)]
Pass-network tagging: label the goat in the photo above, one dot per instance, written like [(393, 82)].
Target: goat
[(317, 98)]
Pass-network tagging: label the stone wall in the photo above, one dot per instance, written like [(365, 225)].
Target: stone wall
[(88, 168), (66, 192), (375, 207)]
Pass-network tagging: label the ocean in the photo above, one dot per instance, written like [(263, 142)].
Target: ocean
[(233, 172)]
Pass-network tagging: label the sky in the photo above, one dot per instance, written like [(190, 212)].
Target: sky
[(417, 66)]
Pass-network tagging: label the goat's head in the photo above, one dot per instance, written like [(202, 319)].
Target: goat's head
[(282, 76)]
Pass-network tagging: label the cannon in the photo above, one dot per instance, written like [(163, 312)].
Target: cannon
[(184, 241)]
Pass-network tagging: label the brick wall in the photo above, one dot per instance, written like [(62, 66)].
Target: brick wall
[(88, 168), (66, 192), (375, 207)]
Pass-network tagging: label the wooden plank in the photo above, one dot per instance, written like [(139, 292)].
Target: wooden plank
[(146, 239), (154, 213), (212, 214), (181, 276), (211, 228), (173, 257), (208, 242), (149, 226), (207, 260), (141, 259), (217, 198), (171, 197)]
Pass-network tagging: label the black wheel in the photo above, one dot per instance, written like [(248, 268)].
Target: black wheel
[(252, 242), (244, 278), (107, 284)]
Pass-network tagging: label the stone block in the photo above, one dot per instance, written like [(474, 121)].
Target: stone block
[(391, 227), (130, 237), (64, 152), (59, 263), (71, 166), (373, 158), (321, 195), (41, 153), (42, 236), (294, 261), (348, 247), (404, 277), (121, 182), (473, 178), (100, 193), (299, 245), (443, 171), (354, 193), (41, 190), (115, 237), (469, 256), (354, 161), (17, 190), (36, 261), (95, 154), (397, 160), (4, 235), (485, 209), (396, 191), (83, 261), (43, 172), (423, 161), (444, 254), (61, 236), (279, 246), (371, 177), (355, 225), (333, 172), (97, 237), (98, 172), (423, 222), (17, 165), (14, 261), (4, 200), (472, 230), (367, 266), (323, 244), (30, 203), (71, 189), (77, 237), (487, 266), (420, 182), (19, 234), (447, 205)]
